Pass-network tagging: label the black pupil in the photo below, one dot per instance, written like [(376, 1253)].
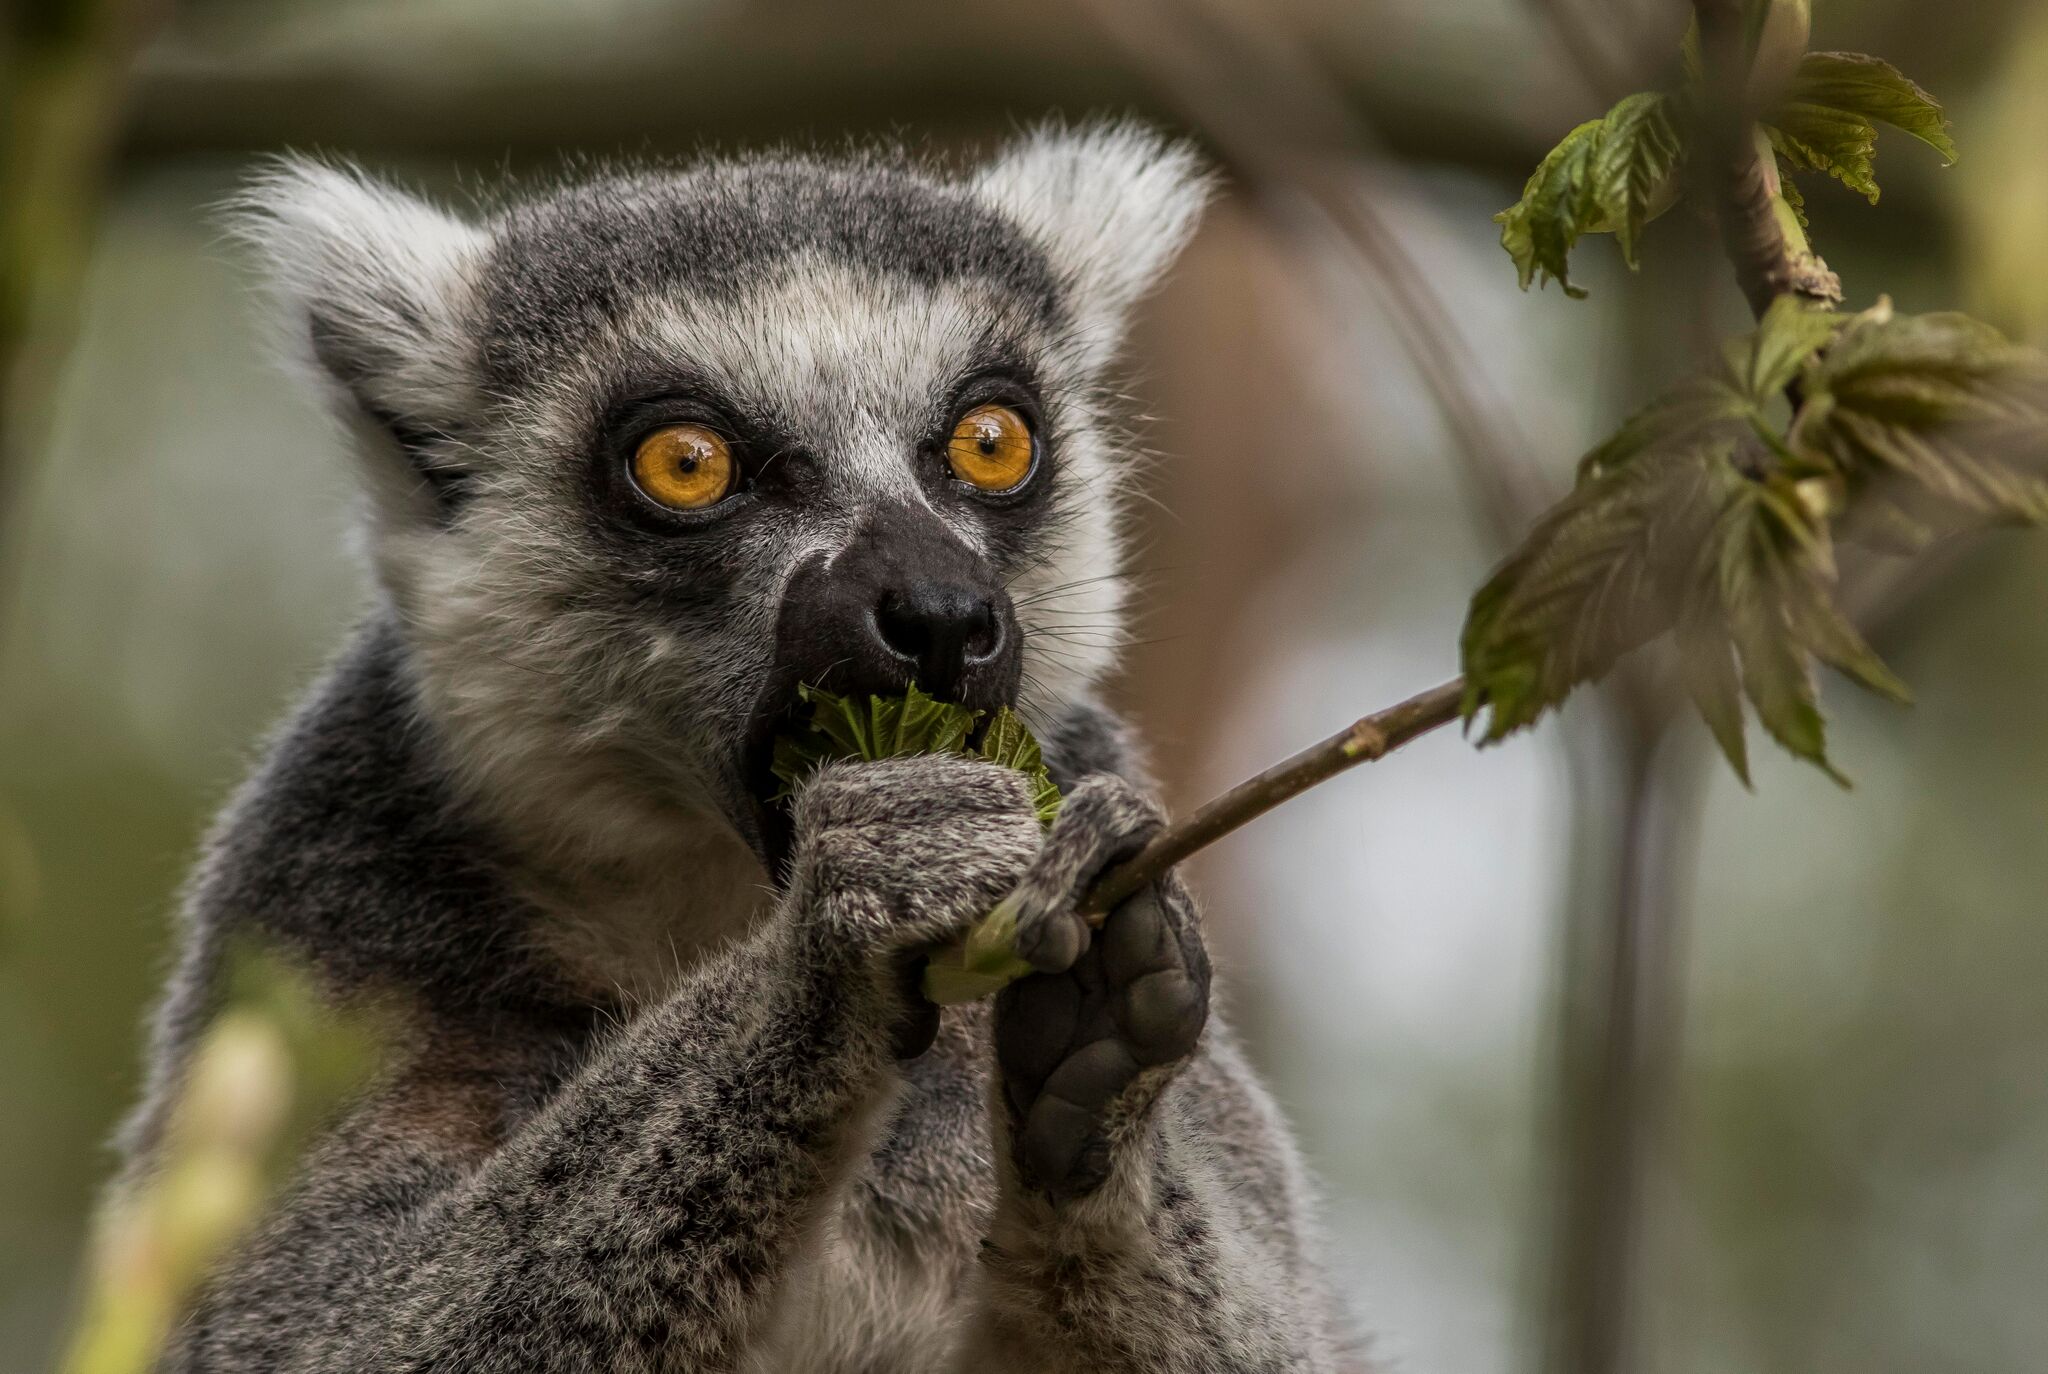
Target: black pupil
[(987, 442)]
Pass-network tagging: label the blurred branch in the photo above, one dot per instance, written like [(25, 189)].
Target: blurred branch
[(276, 1062), (1586, 45), (815, 93), (1617, 1043), (1622, 977), (1287, 131), (62, 70)]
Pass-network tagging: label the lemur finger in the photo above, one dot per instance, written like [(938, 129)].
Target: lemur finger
[(1102, 819), (1038, 1015), (1158, 973)]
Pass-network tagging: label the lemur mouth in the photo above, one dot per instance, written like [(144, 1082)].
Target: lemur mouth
[(781, 710), (776, 714)]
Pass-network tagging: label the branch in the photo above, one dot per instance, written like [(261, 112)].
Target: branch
[(1762, 237), (1366, 740)]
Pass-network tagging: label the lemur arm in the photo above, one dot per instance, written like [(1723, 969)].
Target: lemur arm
[(1150, 1212), (643, 1216)]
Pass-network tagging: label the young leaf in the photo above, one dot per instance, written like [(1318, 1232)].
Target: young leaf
[(1007, 741), (1609, 175), (867, 728), (1934, 422), (1789, 335), (1688, 524), (842, 728), (1768, 555), (1828, 121), (1731, 403), (1713, 405), (1706, 661), (1630, 172), (1788, 189), (1540, 229), (1607, 570)]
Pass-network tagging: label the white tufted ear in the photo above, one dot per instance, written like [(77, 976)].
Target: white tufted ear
[(376, 286), (1110, 204)]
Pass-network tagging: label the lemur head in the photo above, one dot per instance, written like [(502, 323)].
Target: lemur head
[(648, 450)]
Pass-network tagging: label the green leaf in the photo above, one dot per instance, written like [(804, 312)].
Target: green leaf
[(1828, 121), (1630, 172), (1539, 230), (1933, 422), (1735, 402), (1789, 190), (1707, 663), (1609, 175), (868, 728), (1608, 569), (1701, 408), (1699, 532), (1790, 334), (1009, 742), (1769, 554)]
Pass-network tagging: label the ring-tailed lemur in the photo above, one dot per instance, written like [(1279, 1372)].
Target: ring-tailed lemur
[(643, 454)]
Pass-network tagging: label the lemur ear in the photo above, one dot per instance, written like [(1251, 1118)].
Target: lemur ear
[(377, 288), (1111, 204)]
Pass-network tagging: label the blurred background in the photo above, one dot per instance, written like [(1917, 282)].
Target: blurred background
[(1604, 1062)]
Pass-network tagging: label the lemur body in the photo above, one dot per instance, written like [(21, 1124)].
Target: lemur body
[(663, 1097)]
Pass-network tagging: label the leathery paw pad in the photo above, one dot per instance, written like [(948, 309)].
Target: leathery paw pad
[(1074, 1047)]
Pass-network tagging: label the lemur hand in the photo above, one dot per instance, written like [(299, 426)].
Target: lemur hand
[(1085, 1045), (894, 858)]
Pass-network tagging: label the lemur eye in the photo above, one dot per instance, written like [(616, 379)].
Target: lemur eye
[(684, 467), (991, 449)]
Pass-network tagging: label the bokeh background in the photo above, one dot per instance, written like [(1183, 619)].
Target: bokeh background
[(1581, 1037)]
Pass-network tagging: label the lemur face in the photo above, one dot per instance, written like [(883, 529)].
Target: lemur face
[(651, 450)]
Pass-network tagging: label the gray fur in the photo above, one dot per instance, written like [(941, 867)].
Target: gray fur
[(647, 1111)]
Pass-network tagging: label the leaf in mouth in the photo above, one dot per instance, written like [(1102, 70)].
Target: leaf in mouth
[(838, 728)]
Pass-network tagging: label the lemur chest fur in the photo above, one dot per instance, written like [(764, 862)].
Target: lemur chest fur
[(624, 929), (883, 1282)]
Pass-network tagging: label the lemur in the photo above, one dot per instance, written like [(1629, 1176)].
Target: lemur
[(643, 453)]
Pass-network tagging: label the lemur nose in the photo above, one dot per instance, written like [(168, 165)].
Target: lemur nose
[(940, 630)]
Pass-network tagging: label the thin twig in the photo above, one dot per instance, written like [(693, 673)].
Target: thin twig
[(1368, 739)]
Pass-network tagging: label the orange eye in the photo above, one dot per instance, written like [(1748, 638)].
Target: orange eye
[(991, 449), (684, 467)]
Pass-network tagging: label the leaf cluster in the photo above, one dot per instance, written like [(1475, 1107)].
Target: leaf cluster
[(838, 728), (1827, 121), (1615, 174), (1713, 514)]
